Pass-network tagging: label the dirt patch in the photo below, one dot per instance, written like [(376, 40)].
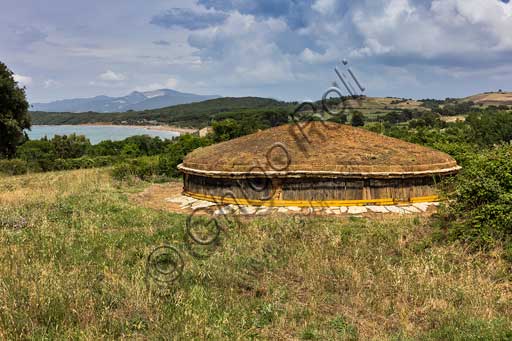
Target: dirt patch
[(155, 195), (163, 197)]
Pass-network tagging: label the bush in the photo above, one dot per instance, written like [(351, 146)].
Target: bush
[(481, 208), (167, 165), (357, 119), (144, 168), (36, 150), (122, 171), (13, 167), (70, 146)]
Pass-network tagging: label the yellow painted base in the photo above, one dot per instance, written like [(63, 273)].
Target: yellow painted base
[(303, 203)]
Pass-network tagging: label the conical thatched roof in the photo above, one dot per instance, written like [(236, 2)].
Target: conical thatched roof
[(317, 149)]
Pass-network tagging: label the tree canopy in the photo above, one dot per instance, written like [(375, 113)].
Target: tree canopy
[(14, 116), (357, 119)]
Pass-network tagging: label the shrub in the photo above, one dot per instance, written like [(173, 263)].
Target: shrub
[(143, 168), (70, 146), (13, 167), (357, 119), (167, 165), (36, 150), (480, 211)]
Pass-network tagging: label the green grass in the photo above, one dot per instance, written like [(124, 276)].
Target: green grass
[(73, 251)]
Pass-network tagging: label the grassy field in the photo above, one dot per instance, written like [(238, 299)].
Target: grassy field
[(73, 251), (375, 107), (491, 98)]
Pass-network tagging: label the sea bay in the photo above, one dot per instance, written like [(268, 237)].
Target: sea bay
[(98, 133)]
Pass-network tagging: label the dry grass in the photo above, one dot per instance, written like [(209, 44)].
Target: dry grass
[(491, 98), (329, 146), (451, 119), (73, 252)]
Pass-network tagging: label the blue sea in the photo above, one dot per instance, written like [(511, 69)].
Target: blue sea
[(96, 134)]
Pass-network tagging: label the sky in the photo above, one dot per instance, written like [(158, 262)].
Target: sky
[(283, 49)]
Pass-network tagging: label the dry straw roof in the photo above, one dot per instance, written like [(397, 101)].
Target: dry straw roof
[(317, 149)]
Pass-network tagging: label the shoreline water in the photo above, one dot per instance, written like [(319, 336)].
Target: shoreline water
[(148, 127), (102, 132)]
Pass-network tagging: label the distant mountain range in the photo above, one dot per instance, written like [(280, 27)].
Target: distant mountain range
[(134, 101)]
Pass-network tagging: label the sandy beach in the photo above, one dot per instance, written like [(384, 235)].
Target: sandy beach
[(149, 127)]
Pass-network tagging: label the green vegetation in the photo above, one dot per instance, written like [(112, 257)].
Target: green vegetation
[(158, 158), (491, 127), (193, 115), (76, 152), (163, 166), (480, 211), (73, 251), (14, 116), (74, 245), (357, 119)]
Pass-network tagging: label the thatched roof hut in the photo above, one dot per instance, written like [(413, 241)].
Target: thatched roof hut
[(315, 164)]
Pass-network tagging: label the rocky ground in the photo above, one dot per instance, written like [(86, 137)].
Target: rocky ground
[(187, 203)]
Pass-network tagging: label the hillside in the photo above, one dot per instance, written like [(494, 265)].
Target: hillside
[(74, 249), (186, 115), (491, 98), (199, 114), (134, 101), (373, 107)]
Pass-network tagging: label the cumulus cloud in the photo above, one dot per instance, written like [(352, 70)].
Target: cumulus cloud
[(23, 80), (295, 13), (267, 47), (244, 49), (324, 6), (443, 30), (111, 76), (189, 19)]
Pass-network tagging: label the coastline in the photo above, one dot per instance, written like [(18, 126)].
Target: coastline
[(148, 127)]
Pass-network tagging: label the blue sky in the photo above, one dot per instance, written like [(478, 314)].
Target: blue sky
[(284, 49)]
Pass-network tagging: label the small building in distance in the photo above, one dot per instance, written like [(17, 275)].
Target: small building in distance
[(205, 131), (315, 164)]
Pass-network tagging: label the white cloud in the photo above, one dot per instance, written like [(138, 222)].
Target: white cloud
[(324, 6), (454, 28), (312, 57), (170, 83), (50, 83), (23, 80), (242, 51), (112, 76)]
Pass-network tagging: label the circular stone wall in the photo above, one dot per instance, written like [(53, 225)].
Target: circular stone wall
[(311, 191), (320, 164)]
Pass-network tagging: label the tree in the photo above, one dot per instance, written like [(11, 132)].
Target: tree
[(14, 116), (226, 130), (70, 146), (357, 119)]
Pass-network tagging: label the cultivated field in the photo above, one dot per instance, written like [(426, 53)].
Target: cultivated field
[(373, 107), (73, 250)]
